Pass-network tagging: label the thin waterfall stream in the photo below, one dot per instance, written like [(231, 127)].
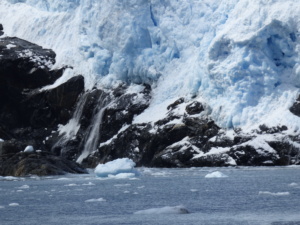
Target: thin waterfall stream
[(93, 133)]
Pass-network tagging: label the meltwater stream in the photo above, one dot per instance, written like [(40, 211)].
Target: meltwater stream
[(256, 195)]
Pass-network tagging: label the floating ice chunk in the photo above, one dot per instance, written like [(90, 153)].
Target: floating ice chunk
[(96, 200), (165, 210), (157, 174), (71, 185), (122, 185), (119, 168), (2, 207), (215, 174), (122, 176), (29, 149), (274, 193), (194, 190), (9, 178), (126, 192), (88, 184), (63, 178), (24, 187), (14, 204), (1, 140), (293, 184)]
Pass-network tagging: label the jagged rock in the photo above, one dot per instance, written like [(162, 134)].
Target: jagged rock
[(247, 155), (123, 110), (12, 146), (148, 148), (26, 65), (176, 155), (1, 29), (134, 142), (213, 160), (38, 163), (26, 113), (295, 109), (175, 104), (194, 108), (271, 130), (23, 66), (52, 107)]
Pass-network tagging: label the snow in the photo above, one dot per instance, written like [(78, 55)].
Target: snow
[(29, 149), (215, 174), (240, 57), (165, 210), (119, 168), (9, 46)]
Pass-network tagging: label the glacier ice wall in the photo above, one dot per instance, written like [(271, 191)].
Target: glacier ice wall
[(241, 57)]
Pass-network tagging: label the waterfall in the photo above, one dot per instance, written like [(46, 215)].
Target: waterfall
[(93, 133), (68, 131)]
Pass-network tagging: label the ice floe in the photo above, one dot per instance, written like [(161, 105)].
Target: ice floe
[(165, 210), (215, 174), (119, 168)]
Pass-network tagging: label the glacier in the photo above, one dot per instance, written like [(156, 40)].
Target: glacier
[(240, 57)]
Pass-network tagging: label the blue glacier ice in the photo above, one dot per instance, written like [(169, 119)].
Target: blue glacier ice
[(240, 57)]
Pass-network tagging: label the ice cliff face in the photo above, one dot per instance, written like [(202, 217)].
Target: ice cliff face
[(240, 57)]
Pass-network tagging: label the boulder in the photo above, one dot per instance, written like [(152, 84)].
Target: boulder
[(295, 109), (1, 29), (194, 108)]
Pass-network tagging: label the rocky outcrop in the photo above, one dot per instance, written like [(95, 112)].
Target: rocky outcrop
[(37, 163), (28, 115), (1, 29), (295, 109)]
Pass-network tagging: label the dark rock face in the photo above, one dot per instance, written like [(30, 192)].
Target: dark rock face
[(28, 115), (122, 110), (194, 108), (295, 109), (1, 29), (41, 164)]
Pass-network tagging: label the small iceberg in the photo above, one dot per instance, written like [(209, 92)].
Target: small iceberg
[(215, 174), (274, 193), (119, 168), (165, 210), (29, 149), (96, 200)]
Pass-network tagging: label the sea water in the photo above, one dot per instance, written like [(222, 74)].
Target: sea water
[(246, 195)]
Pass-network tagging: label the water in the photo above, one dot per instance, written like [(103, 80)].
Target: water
[(246, 196)]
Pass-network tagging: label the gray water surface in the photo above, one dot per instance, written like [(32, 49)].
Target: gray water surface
[(254, 195)]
